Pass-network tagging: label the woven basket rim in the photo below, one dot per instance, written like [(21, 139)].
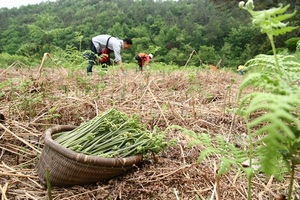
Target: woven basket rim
[(83, 158)]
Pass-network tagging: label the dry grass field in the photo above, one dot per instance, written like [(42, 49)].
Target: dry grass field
[(32, 101)]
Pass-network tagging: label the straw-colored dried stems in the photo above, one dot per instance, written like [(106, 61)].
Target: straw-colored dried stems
[(161, 99)]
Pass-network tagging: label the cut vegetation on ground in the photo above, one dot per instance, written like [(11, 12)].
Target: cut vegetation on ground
[(200, 101)]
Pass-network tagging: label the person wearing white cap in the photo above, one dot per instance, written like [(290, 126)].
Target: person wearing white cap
[(143, 59)]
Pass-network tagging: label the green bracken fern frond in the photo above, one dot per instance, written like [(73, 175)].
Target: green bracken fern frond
[(230, 155), (273, 119), (272, 110), (266, 77), (270, 21)]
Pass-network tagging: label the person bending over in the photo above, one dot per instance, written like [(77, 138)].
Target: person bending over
[(103, 46), (143, 59)]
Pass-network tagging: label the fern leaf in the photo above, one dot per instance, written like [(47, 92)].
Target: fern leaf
[(206, 153), (279, 10), (283, 16), (282, 30), (269, 160), (275, 128), (225, 165), (266, 77), (270, 21)]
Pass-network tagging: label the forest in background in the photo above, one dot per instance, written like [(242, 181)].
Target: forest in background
[(171, 30)]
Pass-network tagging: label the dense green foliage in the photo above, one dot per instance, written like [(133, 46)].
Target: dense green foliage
[(169, 29)]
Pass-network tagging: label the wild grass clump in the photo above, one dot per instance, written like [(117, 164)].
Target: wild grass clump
[(8, 59)]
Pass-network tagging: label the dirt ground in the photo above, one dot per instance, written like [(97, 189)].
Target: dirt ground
[(32, 101)]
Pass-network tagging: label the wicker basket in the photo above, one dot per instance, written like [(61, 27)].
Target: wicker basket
[(69, 168)]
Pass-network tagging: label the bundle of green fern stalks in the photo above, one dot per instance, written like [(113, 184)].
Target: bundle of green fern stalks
[(113, 134)]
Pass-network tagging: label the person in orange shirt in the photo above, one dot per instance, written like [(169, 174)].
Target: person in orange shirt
[(143, 59)]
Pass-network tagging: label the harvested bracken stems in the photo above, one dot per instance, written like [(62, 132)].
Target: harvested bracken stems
[(113, 134)]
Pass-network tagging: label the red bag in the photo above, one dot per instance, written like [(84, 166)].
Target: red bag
[(105, 57)]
